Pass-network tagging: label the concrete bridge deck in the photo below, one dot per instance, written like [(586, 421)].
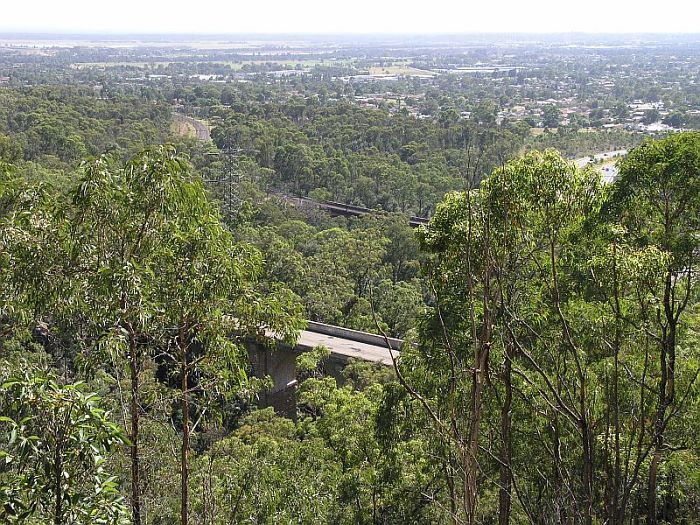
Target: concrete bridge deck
[(346, 344), (279, 364)]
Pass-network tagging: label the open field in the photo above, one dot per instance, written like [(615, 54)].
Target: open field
[(536, 132), (184, 128), (190, 127), (400, 70)]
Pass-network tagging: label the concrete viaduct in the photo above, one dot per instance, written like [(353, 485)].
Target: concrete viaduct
[(344, 344)]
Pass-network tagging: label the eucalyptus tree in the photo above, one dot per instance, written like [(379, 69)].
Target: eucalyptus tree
[(567, 287), (54, 445), (621, 276), (264, 473), (498, 268), (160, 270), (9, 206), (450, 366), (30, 252), (539, 203), (117, 228), (205, 289), (55, 439), (657, 201)]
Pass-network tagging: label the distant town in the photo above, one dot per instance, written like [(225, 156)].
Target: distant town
[(641, 84)]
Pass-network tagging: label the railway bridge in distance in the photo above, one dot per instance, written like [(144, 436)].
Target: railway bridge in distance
[(350, 210), (341, 209)]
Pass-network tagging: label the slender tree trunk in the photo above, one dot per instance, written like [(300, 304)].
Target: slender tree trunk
[(659, 423), (559, 506), (651, 489), (135, 407), (470, 461), (666, 395), (134, 437), (584, 418), (504, 496), (184, 472), (618, 510), (607, 453), (58, 486), (588, 467), (481, 357)]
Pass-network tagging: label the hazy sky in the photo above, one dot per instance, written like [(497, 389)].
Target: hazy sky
[(354, 16)]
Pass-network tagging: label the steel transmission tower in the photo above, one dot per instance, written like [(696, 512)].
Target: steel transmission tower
[(227, 182)]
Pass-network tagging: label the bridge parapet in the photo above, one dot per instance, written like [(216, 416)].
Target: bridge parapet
[(354, 335)]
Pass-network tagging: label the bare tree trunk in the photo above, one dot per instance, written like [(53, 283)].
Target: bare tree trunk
[(651, 488), (471, 460), (588, 465), (504, 496), (559, 506), (184, 472), (134, 434), (618, 510), (481, 357), (659, 427), (666, 395)]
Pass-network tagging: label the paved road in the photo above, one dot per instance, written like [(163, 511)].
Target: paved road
[(346, 348), (608, 169), (201, 130), (607, 155)]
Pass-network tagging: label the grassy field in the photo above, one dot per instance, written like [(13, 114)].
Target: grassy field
[(536, 132), (184, 128), (399, 70)]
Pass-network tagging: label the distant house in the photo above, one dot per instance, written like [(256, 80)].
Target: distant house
[(4, 80)]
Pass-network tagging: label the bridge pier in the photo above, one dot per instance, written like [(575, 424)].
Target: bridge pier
[(279, 364)]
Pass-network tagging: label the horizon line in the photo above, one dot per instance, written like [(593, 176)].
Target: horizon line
[(78, 32)]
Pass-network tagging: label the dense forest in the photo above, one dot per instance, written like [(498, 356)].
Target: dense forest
[(549, 374), (62, 125)]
